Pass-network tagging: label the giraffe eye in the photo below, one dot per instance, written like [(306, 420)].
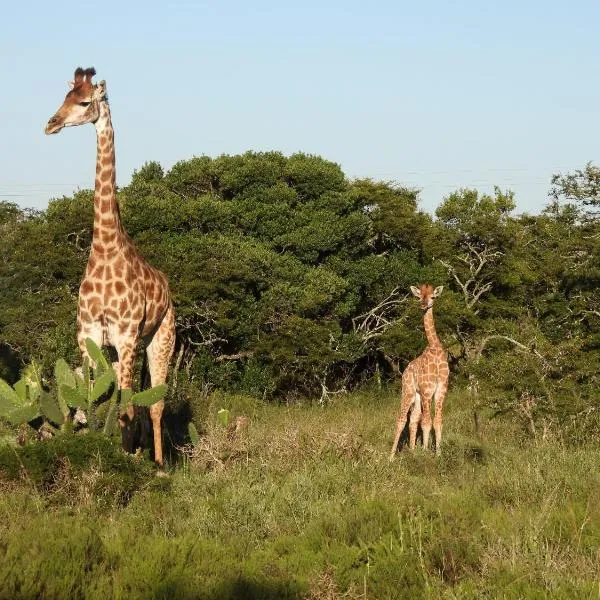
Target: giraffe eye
[(84, 103)]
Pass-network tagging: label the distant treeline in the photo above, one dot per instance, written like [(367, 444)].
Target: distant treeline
[(290, 280)]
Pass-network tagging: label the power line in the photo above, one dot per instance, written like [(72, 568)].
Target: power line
[(506, 177)]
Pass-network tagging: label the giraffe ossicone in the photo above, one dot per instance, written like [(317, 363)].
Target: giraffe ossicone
[(122, 298), (424, 379)]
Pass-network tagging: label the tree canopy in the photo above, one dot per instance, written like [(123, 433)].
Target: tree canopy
[(290, 279)]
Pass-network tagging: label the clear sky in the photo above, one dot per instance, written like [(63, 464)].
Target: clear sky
[(436, 94)]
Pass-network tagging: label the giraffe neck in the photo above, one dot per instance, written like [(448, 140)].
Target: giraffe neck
[(108, 231), (432, 338)]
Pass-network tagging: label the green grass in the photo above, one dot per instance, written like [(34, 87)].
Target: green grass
[(304, 503)]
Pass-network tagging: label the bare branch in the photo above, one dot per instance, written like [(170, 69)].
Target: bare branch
[(394, 364), (238, 356), (200, 324), (377, 320), (82, 246), (177, 367), (497, 336), (475, 260), (326, 393)]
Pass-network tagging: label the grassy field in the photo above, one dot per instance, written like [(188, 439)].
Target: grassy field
[(304, 504)]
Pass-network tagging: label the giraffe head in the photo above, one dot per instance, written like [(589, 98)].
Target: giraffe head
[(426, 294), (81, 104)]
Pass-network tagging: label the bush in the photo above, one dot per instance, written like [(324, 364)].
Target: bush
[(72, 469)]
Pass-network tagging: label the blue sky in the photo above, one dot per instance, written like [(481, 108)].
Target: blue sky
[(435, 95)]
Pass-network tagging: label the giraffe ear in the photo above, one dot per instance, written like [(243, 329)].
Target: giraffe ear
[(416, 291), (438, 291), (100, 90), (71, 84)]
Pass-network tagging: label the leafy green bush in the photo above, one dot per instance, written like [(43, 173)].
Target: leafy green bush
[(84, 468)]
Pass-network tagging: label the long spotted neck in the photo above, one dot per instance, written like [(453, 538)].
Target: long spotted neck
[(432, 338), (108, 231)]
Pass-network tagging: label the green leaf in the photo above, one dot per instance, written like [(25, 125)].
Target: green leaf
[(111, 416), (102, 385), (50, 409), (21, 388), (193, 433), (73, 397), (23, 414), (150, 396), (96, 355), (63, 373), (82, 381), (32, 378), (223, 417), (64, 377), (34, 392), (9, 399), (125, 397), (86, 372), (80, 384)]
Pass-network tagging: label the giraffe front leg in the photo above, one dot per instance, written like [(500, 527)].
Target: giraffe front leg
[(426, 419), (95, 333), (408, 398)]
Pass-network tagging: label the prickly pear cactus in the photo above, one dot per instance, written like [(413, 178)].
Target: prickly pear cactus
[(16, 405), (78, 392)]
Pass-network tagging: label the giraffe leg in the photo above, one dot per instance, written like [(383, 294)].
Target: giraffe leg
[(426, 419), (115, 366), (408, 398), (93, 331), (160, 350), (415, 419), (126, 348), (440, 395)]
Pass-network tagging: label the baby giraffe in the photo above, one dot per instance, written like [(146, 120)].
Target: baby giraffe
[(424, 378)]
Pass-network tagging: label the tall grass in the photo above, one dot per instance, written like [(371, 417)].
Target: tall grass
[(303, 503)]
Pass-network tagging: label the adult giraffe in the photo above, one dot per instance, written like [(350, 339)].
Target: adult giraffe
[(121, 298), (424, 378)]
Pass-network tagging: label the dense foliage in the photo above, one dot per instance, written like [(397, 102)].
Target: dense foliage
[(289, 279)]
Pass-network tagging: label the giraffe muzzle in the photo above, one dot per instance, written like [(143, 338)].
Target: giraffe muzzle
[(54, 125)]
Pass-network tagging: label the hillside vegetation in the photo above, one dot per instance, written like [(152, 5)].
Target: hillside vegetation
[(290, 284)]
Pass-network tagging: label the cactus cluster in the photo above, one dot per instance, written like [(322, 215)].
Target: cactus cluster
[(24, 401), (78, 394)]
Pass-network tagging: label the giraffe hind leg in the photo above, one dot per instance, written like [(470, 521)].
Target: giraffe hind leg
[(126, 349), (440, 396), (159, 351), (415, 419)]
